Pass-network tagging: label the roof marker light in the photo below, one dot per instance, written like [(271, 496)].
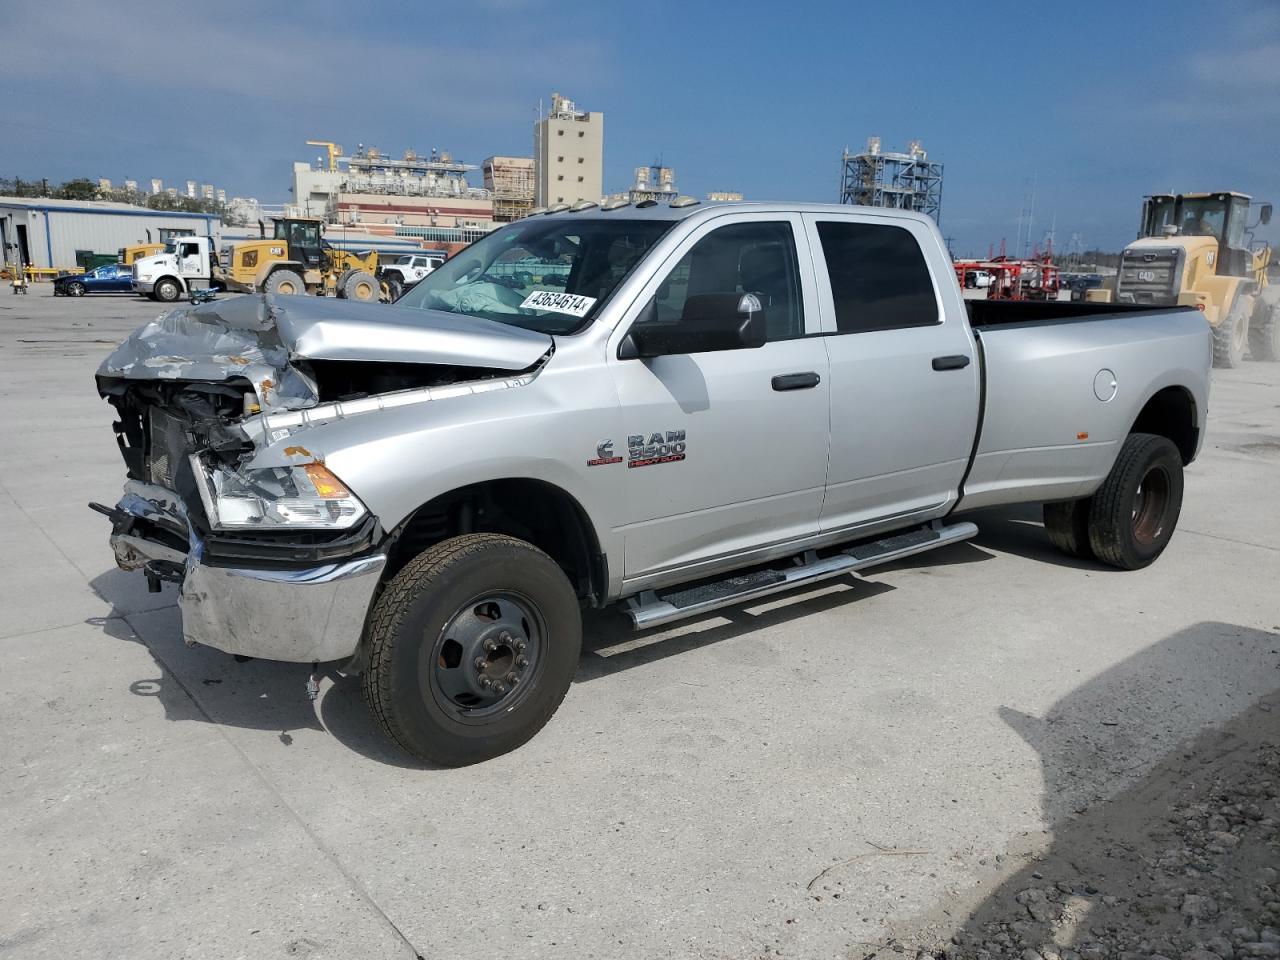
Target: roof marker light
[(558, 208), (615, 204), (684, 201), (583, 205)]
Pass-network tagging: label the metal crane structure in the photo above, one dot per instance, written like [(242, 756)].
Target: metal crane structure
[(906, 181), (332, 149)]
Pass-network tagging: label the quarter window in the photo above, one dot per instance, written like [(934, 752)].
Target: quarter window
[(757, 258), (879, 278)]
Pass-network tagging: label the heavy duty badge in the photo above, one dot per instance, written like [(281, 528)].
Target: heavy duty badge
[(657, 448)]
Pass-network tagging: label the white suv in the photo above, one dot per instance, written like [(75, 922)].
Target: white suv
[(410, 268)]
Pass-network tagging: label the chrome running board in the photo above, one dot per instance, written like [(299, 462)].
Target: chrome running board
[(654, 608)]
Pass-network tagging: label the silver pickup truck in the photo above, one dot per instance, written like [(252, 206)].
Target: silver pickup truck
[(674, 407)]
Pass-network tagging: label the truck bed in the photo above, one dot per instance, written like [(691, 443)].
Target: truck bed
[(991, 313)]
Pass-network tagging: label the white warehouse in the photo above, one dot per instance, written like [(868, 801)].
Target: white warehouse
[(49, 233)]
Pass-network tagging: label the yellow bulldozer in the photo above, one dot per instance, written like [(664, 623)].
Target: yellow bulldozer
[(127, 255), (1197, 249), (297, 260)]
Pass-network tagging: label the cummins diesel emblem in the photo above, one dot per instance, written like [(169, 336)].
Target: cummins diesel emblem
[(604, 455), (657, 448)]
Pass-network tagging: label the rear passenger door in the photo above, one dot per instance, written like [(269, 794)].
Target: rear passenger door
[(904, 372), (725, 451)]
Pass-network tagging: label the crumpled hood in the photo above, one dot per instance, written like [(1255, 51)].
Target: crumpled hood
[(258, 336)]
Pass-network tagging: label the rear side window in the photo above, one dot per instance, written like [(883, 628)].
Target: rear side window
[(879, 278)]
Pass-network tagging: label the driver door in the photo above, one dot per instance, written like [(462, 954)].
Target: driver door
[(725, 451), (121, 279)]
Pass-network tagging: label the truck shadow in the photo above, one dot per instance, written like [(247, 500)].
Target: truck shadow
[(207, 685), (610, 645), (1119, 755), (1019, 530), (199, 683)]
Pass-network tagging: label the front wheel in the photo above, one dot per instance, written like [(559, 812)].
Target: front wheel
[(1231, 336), (1134, 512), (167, 290), (472, 647), (360, 285), (285, 283), (75, 289)]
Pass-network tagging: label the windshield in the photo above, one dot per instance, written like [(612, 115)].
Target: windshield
[(1202, 218), (548, 274)]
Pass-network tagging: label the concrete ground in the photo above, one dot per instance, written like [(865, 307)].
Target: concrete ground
[(796, 778)]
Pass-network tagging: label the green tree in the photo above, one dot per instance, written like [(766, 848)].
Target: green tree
[(78, 189)]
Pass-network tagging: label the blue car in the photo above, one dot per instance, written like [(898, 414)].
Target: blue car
[(110, 278)]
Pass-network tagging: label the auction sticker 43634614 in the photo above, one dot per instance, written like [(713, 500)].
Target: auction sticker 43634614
[(570, 303)]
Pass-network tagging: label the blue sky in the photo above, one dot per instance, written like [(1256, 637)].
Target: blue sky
[(1095, 103)]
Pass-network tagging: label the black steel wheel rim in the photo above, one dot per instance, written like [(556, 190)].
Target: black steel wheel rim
[(1151, 505), (487, 657)]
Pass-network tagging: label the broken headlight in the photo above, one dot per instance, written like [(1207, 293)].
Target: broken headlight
[(306, 497)]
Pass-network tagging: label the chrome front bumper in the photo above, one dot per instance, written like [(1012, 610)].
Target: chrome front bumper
[(295, 615)]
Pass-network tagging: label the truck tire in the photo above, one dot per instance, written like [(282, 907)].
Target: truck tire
[(1264, 331), (361, 286), (472, 647), (1231, 336), (392, 290), (1135, 511), (1067, 523), (168, 290), (342, 279), (286, 283)]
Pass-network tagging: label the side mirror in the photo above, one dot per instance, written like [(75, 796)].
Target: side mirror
[(1264, 215), (710, 322)]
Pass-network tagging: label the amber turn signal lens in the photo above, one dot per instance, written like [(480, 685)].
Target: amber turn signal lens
[(328, 487)]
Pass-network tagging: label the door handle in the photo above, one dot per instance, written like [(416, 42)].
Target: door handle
[(796, 381), (956, 361)]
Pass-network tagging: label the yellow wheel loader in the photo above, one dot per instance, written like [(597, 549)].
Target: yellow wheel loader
[(297, 260), (1197, 249)]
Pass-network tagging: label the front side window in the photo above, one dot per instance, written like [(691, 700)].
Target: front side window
[(1162, 213), (879, 278), (758, 258), (549, 274)]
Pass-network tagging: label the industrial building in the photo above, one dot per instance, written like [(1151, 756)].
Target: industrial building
[(57, 234), (381, 193), (906, 181), (653, 182), (510, 182), (568, 151)]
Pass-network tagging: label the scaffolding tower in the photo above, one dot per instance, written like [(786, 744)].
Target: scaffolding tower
[(905, 181)]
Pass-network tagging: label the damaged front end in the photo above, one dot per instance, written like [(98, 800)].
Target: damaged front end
[(278, 561)]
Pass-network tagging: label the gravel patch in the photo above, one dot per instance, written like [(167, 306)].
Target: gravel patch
[(1184, 866)]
